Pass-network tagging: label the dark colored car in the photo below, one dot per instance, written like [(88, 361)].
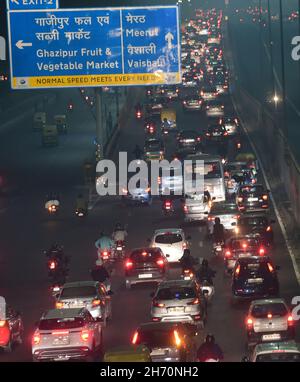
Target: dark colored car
[(192, 102), (145, 265), (258, 223), (154, 105), (241, 246), (254, 277), (168, 341), (216, 133), (188, 138), (252, 197)]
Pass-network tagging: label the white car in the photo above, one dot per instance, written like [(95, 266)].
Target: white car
[(171, 241), (196, 208)]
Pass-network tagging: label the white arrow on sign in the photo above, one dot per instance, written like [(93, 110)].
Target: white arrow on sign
[(15, 2), (20, 44), (169, 37)]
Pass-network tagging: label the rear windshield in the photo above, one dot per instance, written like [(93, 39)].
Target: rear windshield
[(278, 357), (58, 323), (255, 221), (176, 293), (262, 311), (168, 238), (254, 268), (252, 190), (156, 338), (82, 291), (243, 244), (147, 255), (224, 208)]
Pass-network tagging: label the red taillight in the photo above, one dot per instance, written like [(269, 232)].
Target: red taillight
[(269, 229), (227, 254), (36, 339), (244, 245), (290, 321), (59, 305), (3, 323), (240, 199), (52, 264), (265, 197), (185, 208), (105, 255), (160, 262), (177, 338), (128, 264), (261, 251), (85, 335), (157, 304), (96, 302), (196, 301), (249, 323), (269, 316), (238, 269), (271, 269), (225, 133), (198, 139), (135, 338)]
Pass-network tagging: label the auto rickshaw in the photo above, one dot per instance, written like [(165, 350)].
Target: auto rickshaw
[(168, 120), (50, 135), (61, 123), (138, 353), (39, 120)]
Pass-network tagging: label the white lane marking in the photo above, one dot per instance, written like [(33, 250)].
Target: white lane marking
[(280, 221), (201, 244), (200, 229)]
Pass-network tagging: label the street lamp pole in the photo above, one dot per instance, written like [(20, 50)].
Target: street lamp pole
[(271, 51), (284, 124)]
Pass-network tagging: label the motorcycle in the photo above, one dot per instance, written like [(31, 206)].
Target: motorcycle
[(70, 107), (53, 209), (106, 255), (120, 249), (138, 114), (150, 129), (207, 289), (80, 212), (168, 207), (188, 274), (218, 248)]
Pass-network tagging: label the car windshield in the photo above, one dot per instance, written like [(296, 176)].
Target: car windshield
[(168, 238), (81, 291), (59, 323), (255, 221), (275, 309), (279, 356), (147, 255), (176, 293), (252, 190), (156, 338), (224, 208)]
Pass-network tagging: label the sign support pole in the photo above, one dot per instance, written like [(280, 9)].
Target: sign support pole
[(99, 124)]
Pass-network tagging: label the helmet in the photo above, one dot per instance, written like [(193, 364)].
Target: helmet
[(210, 339), (101, 234), (217, 220), (118, 226), (186, 252), (99, 262), (204, 263)]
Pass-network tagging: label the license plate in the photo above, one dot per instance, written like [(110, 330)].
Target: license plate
[(145, 276), (255, 281), (246, 254), (177, 309), (119, 248), (271, 337), (61, 341), (252, 199)]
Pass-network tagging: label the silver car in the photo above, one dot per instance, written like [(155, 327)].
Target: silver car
[(196, 207), (178, 301), (91, 295), (64, 334), (228, 214), (269, 320), (287, 351)]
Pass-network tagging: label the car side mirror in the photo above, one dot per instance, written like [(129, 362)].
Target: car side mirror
[(152, 294), (233, 224), (277, 267), (245, 359)]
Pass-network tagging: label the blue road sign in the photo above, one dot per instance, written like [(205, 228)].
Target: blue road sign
[(94, 47), (22, 5)]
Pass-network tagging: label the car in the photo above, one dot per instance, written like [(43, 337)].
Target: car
[(11, 327), (196, 207), (254, 277), (179, 301), (216, 133), (190, 80), (67, 334), (154, 149), (269, 320), (208, 93), (145, 265), (256, 222), (192, 102), (91, 295), (241, 246), (170, 92), (188, 139), (167, 341), (227, 212), (171, 241), (252, 197), (231, 124), (155, 105), (285, 351), (138, 194), (214, 108)]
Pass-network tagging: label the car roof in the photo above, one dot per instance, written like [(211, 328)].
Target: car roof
[(275, 346), (174, 283), (80, 284), (253, 259), (260, 214), (159, 325), (223, 205), (63, 313), (168, 230), (146, 249), (268, 301)]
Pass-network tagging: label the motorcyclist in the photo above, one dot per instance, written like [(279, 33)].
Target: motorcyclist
[(187, 261), (56, 252), (81, 203), (137, 152), (207, 196), (138, 107), (166, 124), (52, 199), (99, 272), (209, 350), (205, 272), (104, 242), (119, 233), (218, 232)]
